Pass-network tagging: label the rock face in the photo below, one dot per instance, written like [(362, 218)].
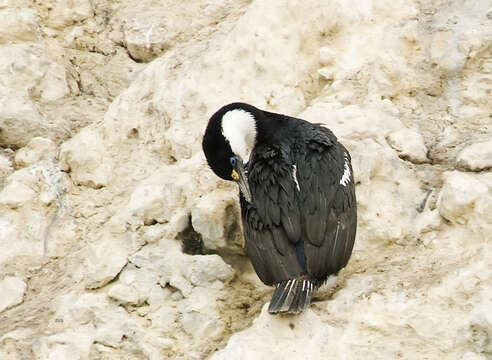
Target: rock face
[(12, 290), (117, 241), (477, 156)]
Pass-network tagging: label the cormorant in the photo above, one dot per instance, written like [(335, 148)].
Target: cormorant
[(297, 197)]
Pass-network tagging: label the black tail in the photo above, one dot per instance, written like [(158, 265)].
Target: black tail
[(291, 296)]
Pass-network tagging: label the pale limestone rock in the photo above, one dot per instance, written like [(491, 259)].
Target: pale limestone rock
[(37, 149), (409, 145), (476, 157), (380, 172), (478, 329), (151, 28), (215, 216), (200, 316), (170, 126), (166, 317), (157, 198), (207, 271), (84, 320), (30, 203), (182, 271), (303, 336), (158, 295), (388, 62), (169, 230), (16, 194), (20, 121), (27, 231), (326, 73), (464, 197), (68, 345), (102, 268), (327, 55), (12, 290), (135, 287), (354, 122), (125, 295), (76, 308), (43, 181), (428, 220), (147, 33), (18, 24), (68, 12), (290, 101), (28, 75), (84, 156), (145, 43), (20, 188), (116, 328), (5, 167), (473, 356), (28, 70)]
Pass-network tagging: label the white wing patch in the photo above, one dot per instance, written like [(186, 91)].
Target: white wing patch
[(239, 128), (294, 175), (346, 171)]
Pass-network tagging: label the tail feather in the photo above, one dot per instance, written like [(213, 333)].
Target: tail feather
[(291, 296)]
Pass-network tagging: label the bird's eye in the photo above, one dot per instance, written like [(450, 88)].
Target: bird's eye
[(233, 161)]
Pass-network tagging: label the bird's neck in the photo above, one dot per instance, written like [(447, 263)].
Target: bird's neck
[(269, 130)]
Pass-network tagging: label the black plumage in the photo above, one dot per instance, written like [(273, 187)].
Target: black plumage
[(297, 197)]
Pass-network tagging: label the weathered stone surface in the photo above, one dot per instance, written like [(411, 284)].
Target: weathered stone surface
[(5, 166), (182, 271), (12, 290), (15, 194), (281, 337), (379, 173), (28, 70), (215, 216), (68, 12), (409, 145), (43, 181), (29, 75), (106, 243), (102, 268), (19, 121), (37, 149), (18, 24), (476, 157), (465, 196), (89, 167), (30, 202), (158, 197), (150, 28)]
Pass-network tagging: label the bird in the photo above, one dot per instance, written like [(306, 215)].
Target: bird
[(296, 194)]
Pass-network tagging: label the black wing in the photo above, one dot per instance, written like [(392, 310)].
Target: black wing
[(291, 232), (327, 202), (272, 224)]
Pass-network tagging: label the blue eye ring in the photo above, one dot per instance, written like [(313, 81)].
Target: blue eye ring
[(233, 161)]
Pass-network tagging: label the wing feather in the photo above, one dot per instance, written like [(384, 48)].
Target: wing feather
[(328, 207), (272, 224)]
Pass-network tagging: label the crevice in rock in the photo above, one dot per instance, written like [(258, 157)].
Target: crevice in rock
[(191, 241)]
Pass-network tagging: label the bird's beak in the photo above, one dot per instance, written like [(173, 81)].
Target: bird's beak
[(239, 176)]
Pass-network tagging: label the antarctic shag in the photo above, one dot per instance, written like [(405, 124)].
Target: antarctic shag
[(296, 193)]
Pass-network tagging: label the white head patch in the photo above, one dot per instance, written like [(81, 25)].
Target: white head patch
[(239, 128)]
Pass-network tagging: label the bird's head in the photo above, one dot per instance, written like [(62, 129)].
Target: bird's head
[(228, 141)]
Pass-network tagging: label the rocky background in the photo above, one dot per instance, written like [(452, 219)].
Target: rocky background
[(117, 241)]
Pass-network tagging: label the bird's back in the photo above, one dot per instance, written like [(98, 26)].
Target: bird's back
[(302, 220)]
